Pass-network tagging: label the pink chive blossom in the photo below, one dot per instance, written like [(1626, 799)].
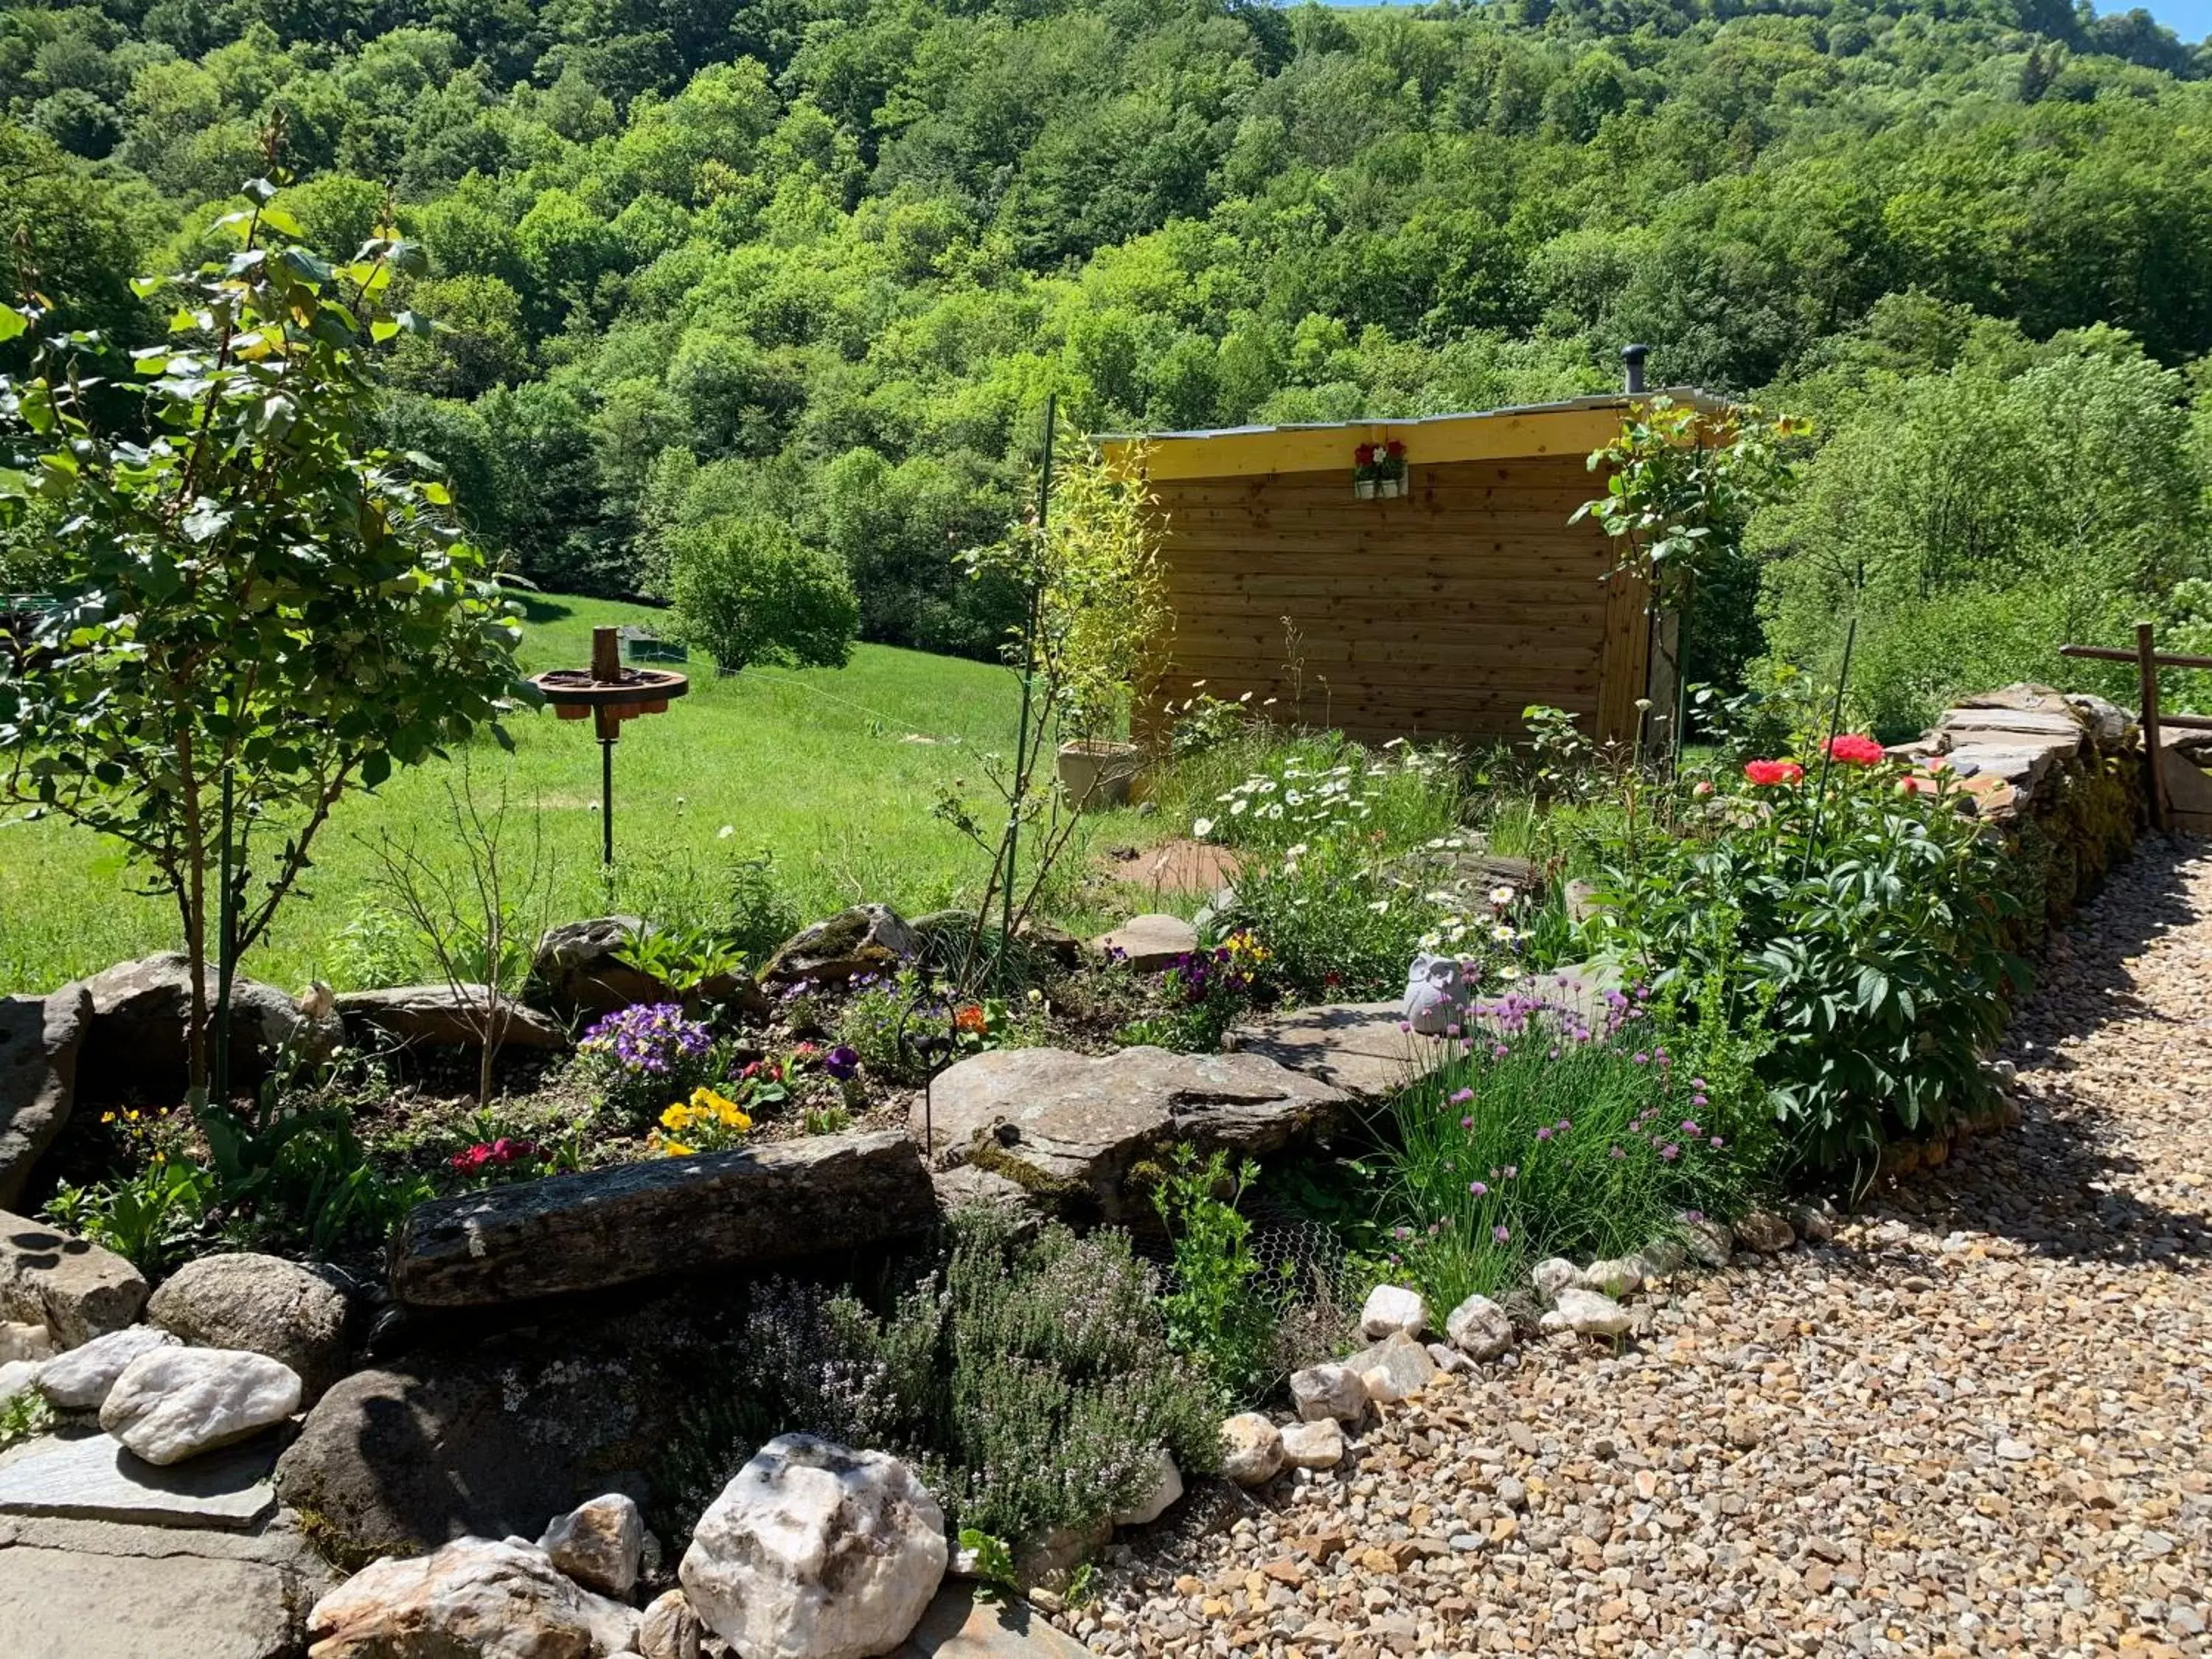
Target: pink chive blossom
[(1690, 1126), (1718, 1143), (1466, 1123), (1670, 1151), (1501, 1233), (1476, 1189), (1461, 1097), (1562, 1126), (1512, 1170), (1498, 1051), (1544, 1133), (1617, 1153), (1699, 1100), (1641, 1058)]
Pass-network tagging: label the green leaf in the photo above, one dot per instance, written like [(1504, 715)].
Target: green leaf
[(259, 190), (12, 323), (383, 329)]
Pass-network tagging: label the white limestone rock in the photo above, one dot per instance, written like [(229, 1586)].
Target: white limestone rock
[(79, 1381), (21, 1340), (1587, 1313), (170, 1404), (1480, 1328), (1390, 1309), (17, 1376), (1251, 1450), (1167, 1487), (669, 1629), (1397, 1368), (476, 1598), (1315, 1445), (1332, 1391), (1614, 1276), (814, 1551), (599, 1543), (1553, 1276)]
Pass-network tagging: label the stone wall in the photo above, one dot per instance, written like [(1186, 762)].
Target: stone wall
[(2060, 776)]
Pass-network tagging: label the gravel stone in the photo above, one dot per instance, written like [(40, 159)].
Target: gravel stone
[(1803, 1459)]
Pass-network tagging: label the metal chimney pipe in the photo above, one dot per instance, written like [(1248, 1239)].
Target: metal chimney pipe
[(1632, 359)]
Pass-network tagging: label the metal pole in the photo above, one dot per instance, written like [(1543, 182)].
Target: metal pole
[(226, 932), (1022, 766), (2161, 814), (606, 800)]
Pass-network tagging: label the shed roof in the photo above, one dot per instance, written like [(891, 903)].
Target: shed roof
[(1575, 427)]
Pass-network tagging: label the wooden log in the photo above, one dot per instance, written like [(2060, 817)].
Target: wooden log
[(2161, 811), (636, 1221)]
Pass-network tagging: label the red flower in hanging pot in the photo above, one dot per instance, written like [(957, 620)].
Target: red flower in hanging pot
[(1364, 455), (1395, 450)]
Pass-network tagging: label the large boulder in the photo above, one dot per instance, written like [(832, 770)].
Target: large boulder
[(170, 1404), (583, 969), (40, 1037), (444, 1016), (633, 1221), (1070, 1127), (476, 1598), (814, 1551), (264, 1304), (416, 1451), (136, 1045), (1362, 1047), (72, 1286), (868, 939)]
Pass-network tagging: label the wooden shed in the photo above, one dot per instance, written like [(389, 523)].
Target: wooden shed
[(1441, 612)]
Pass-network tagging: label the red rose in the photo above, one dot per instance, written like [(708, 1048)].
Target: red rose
[(1767, 772), (1856, 750)]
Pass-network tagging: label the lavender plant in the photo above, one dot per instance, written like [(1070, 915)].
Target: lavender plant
[(1030, 1381)]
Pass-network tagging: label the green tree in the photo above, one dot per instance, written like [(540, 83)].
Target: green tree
[(745, 590), (260, 610)]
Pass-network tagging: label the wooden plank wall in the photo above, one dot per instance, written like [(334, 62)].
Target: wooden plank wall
[(1443, 613)]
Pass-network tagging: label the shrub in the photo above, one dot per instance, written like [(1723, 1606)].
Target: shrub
[(1218, 1311), (1556, 1134), (746, 590), (1029, 1381), (1864, 906)]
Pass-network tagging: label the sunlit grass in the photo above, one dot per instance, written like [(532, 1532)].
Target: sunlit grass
[(833, 772)]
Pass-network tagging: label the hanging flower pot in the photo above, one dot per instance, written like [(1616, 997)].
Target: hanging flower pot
[(1390, 469), (1366, 473)]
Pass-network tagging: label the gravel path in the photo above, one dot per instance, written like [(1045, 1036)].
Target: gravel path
[(1975, 1423)]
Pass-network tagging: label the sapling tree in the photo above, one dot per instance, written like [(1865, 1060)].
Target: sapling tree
[(258, 609), (1086, 558), (1681, 485)]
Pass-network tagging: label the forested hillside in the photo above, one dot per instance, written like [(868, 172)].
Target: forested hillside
[(824, 260)]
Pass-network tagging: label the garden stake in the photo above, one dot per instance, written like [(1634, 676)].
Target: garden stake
[(1827, 758), (1029, 674), (610, 694)]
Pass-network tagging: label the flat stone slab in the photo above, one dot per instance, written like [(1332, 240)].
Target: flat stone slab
[(1359, 1047), (93, 1478), (444, 1016), (89, 1589), (1069, 1126), (1149, 942), (958, 1625), (636, 1221), (2058, 728)]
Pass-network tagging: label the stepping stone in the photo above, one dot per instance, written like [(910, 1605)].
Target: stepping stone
[(97, 1589), (1149, 942), (95, 1479)]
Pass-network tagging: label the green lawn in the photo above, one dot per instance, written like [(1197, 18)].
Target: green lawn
[(822, 768)]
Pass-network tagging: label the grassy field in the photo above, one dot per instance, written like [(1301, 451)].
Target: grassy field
[(828, 770)]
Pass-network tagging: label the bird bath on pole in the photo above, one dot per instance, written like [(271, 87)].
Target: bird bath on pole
[(610, 694)]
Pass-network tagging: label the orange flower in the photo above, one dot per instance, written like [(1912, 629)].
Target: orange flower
[(968, 1018)]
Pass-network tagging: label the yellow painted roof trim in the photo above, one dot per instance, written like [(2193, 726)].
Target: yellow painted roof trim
[(1571, 428)]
